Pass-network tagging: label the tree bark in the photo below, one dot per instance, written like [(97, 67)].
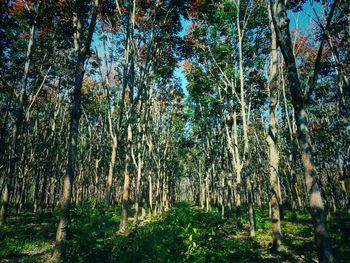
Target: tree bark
[(281, 25), (126, 189), (81, 53), (272, 143), (250, 206)]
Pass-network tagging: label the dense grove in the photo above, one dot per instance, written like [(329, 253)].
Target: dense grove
[(174, 131)]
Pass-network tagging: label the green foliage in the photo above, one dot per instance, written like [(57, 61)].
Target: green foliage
[(183, 234), (87, 234), (27, 237)]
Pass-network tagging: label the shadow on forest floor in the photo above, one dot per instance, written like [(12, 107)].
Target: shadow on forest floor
[(27, 238), (183, 234)]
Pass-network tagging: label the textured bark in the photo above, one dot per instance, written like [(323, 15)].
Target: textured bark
[(3, 132), (114, 146), (240, 32), (111, 168), (281, 24), (44, 186), (346, 188), (126, 189), (238, 168), (250, 207), (150, 194), (207, 200), (345, 183), (128, 85), (75, 113), (61, 234), (272, 143), (139, 174)]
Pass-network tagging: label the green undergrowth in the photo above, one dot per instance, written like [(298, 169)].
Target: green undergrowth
[(27, 238), (183, 234)]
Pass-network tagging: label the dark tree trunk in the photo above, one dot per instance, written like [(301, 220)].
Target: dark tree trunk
[(324, 249), (75, 113)]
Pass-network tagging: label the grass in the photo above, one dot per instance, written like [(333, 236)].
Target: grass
[(183, 234), (27, 238)]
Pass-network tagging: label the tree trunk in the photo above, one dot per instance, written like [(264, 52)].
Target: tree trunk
[(150, 194), (139, 174), (251, 208), (126, 190), (272, 142), (238, 168), (110, 170), (324, 249), (75, 113)]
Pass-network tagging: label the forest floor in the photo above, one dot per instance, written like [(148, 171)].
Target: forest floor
[(183, 234)]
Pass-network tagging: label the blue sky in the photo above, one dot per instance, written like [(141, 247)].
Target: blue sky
[(179, 70), (301, 20)]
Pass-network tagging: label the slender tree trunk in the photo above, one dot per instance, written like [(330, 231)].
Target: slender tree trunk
[(75, 113), (128, 82), (114, 146), (111, 169), (36, 191), (44, 184), (250, 208), (3, 131), (324, 249), (207, 201), (238, 168), (126, 189), (272, 142), (150, 194), (138, 182)]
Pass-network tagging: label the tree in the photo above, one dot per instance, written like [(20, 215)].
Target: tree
[(22, 94), (82, 42), (281, 25), (272, 142)]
